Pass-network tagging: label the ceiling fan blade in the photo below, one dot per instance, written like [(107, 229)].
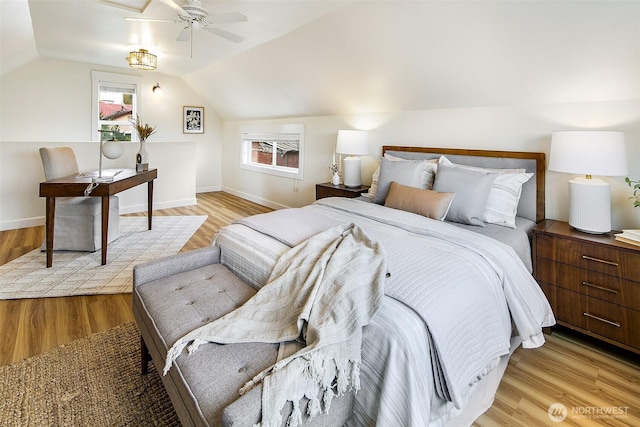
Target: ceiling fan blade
[(173, 21), (184, 35), (224, 18), (172, 4), (225, 34)]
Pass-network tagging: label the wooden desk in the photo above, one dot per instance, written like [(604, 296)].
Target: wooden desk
[(74, 186)]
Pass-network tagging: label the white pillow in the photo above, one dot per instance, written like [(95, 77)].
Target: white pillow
[(371, 194), (428, 176), (502, 203)]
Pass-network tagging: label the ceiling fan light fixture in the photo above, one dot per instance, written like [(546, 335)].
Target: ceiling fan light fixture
[(142, 60)]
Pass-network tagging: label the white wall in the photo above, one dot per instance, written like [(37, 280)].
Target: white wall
[(499, 128), (48, 102), (486, 74), (482, 74)]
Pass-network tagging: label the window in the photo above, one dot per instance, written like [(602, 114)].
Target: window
[(276, 150), (115, 106)]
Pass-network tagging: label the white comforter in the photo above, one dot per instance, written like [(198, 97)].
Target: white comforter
[(462, 285)]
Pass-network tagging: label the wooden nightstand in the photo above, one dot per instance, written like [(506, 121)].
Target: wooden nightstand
[(591, 281), (327, 189)]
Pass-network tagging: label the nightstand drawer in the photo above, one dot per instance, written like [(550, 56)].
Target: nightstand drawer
[(595, 316), (590, 256), (590, 283)]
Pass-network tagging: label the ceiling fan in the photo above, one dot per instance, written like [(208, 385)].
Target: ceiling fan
[(195, 17)]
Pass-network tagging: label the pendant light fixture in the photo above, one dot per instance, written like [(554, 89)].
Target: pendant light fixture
[(142, 60)]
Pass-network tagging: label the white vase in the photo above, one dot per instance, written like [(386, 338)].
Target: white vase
[(142, 157), (335, 179)]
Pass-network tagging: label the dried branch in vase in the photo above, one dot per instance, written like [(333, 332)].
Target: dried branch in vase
[(144, 131)]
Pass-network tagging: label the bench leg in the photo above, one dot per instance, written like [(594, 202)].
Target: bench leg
[(145, 357)]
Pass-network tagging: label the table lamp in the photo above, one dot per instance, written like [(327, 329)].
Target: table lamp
[(352, 143), (111, 150), (589, 153)]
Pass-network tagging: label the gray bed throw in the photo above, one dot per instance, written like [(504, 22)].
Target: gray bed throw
[(319, 296)]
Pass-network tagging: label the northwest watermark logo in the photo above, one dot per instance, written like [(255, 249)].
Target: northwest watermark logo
[(558, 412)]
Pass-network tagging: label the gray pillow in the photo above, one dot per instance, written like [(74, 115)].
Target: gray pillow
[(407, 173), (472, 191)]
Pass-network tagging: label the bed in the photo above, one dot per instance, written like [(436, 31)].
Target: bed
[(460, 297)]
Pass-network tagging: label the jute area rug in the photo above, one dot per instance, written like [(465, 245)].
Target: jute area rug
[(81, 273), (94, 381)]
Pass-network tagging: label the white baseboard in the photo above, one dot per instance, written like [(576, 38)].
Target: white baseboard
[(252, 198), (208, 189), (21, 223)]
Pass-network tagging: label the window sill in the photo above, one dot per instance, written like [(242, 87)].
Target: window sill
[(283, 172)]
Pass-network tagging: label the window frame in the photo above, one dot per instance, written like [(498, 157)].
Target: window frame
[(275, 133), (124, 81)]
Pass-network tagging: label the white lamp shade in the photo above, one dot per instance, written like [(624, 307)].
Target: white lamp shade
[(112, 149), (588, 153), (353, 142)]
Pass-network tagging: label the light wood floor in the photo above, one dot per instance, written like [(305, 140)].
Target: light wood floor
[(584, 375), (32, 326)]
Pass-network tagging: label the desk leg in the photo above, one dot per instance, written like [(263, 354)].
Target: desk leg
[(105, 228), (150, 203), (50, 224)]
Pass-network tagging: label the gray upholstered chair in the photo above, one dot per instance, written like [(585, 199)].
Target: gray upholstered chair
[(78, 220)]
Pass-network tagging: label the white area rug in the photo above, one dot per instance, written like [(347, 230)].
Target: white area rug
[(80, 273)]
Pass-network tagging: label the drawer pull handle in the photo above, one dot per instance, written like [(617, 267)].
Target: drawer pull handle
[(602, 288), (616, 324), (615, 264)]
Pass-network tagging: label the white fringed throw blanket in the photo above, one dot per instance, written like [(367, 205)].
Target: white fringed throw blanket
[(319, 296)]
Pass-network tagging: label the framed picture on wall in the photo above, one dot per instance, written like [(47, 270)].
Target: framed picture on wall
[(192, 119)]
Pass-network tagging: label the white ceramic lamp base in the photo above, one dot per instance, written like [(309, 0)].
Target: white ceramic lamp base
[(352, 176), (590, 205)]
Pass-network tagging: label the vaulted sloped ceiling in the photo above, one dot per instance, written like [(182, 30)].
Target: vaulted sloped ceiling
[(18, 45), (399, 56), (322, 57), (97, 31)]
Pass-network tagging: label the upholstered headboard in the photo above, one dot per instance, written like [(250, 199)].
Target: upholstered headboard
[(531, 205)]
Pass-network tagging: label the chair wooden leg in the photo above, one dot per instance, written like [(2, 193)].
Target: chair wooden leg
[(145, 357)]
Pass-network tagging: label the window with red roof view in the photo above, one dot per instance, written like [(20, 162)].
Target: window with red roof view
[(117, 111)]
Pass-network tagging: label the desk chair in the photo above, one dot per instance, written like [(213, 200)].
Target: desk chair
[(78, 220)]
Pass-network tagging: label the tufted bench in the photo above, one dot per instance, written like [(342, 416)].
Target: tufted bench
[(176, 294)]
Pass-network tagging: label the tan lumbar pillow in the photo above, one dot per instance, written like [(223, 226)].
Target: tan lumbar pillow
[(429, 203)]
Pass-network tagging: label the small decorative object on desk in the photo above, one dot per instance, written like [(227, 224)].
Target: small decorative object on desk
[(334, 168), (636, 191), (142, 157)]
